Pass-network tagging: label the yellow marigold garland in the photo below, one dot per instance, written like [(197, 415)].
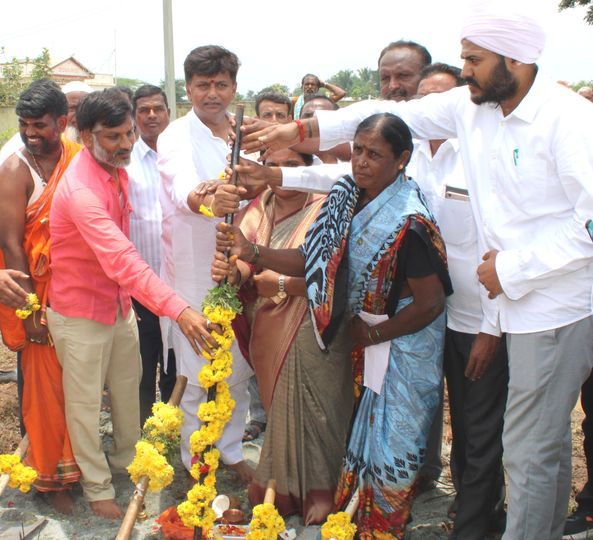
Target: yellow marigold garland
[(159, 440), (266, 523), (220, 306), (31, 306), (21, 476), (338, 526)]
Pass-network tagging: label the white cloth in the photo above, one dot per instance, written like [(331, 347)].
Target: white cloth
[(144, 191), (505, 27), (11, 146), (314, 179), (188, 153), (468, 309), (38, 183), (529, 180)]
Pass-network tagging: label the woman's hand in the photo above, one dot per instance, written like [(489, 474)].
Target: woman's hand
[(224, 268), (360, 332), (266, 283), (34, 330), (229, 238)]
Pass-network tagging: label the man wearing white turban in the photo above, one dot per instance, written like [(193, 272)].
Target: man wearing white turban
[(525, 143)]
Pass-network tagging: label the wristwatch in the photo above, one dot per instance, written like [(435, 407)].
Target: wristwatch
[(281, 290)]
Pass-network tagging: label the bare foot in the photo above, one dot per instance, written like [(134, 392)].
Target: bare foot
[(243, 470), (107, 509), (62, 502)]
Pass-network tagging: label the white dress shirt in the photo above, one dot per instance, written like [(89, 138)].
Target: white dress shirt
[(530, 183), (188, 154), (468, 309), (144, 190)]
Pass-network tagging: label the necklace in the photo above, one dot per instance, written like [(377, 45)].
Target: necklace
[(38, 169)]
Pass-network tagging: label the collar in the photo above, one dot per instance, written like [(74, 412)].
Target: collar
[(533, 100), (142, 149)]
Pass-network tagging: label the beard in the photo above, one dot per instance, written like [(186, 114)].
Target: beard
[(43, 148), (115, 159), (501, 85), (73, 134)]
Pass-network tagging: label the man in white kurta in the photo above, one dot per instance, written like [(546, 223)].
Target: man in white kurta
[(190, 153)]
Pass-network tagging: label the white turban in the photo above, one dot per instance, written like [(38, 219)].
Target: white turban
[(503, 28), (76, 86)]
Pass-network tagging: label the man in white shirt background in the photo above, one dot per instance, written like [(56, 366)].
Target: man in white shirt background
[(526, 146), (475, 360), (151, 115)]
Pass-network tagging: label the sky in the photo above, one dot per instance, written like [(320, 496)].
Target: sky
[(274, 44)]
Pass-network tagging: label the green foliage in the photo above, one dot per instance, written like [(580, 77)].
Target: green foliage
[(277, 88), (6, 135), (225, 296), (564, 4), (11, 85), (180, 94), (359, 85), (580, 84), (41, 66), (133, 84)]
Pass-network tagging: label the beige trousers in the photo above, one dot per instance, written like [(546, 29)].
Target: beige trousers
[(93, 354)]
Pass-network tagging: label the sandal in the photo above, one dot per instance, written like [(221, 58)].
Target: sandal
[(253, 430)]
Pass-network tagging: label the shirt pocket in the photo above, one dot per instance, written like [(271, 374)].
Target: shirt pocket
[(456, 222)]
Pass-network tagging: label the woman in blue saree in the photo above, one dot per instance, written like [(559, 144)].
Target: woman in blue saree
[(375, 248)]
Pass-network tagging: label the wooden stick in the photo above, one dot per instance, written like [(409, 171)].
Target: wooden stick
[(137, 501), (270, 494), (20, 451), (353, 504), (236, 153)]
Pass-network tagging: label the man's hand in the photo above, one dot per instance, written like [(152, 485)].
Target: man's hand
[(270, 138), (266, 283), (226, 199), (487, 274), (223, 268), (253, 174), (482, 352), (206, 188), (11, 293), (197, 331), (230, 237)]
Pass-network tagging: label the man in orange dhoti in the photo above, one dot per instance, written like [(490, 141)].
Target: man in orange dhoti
[(28, 180)]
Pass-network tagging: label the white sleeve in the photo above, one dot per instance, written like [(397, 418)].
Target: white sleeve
[(569, 247), (316, 178), (177, 170)]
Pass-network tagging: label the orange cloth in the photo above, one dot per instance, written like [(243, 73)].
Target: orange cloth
[(50, 453)]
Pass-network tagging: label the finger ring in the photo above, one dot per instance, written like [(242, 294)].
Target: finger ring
[(208, 323)]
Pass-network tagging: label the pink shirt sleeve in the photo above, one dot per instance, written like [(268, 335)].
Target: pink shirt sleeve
[(118, 257)]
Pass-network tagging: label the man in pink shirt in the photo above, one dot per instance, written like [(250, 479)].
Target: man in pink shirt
[(95, 271)]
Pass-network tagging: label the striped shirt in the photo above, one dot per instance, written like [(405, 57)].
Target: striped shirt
[(146, 216)]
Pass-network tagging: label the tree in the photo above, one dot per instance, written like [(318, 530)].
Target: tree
[(344, 79), (133, 84), (11, 85), (276, 88), (564, 4), (180, 94), (41, 66)]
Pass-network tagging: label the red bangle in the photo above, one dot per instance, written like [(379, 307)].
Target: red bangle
[(301, 130)]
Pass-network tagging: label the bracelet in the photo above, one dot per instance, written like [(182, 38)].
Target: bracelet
[(378, 335), (370, 336), (255, 254), (301, 130)]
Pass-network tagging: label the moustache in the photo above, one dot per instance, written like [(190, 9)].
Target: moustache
[(473, 82), (396, 95)]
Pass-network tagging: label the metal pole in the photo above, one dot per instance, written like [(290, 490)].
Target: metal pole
[(169, 57)]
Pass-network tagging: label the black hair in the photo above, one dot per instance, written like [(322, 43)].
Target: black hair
[(42, 97), (307, 158), (148, 90), (440, 67), (333, 104), (274, 97), (392, 128), (110, 107), (210, 60), (402, 44), (310, 75)]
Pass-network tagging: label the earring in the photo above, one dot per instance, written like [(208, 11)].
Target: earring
[(401, 167)]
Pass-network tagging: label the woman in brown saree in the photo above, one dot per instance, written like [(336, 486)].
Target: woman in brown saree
[(307, 395)]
